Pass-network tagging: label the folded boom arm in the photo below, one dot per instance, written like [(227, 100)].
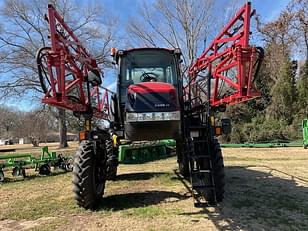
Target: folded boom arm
[(229, 62), (69, 74)]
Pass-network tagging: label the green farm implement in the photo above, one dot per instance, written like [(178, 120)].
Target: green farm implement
[(305, 133), (263, 145), (275, 144), (42, 164), (140, 152)]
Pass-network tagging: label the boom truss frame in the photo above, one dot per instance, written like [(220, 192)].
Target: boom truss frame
[(67, 67), (229, 52)]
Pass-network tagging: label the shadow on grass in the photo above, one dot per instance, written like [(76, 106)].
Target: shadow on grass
[(170, 154), (138, 199), (139, 176), (260, 200)]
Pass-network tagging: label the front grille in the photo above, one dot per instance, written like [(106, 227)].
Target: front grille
[(151, 102)]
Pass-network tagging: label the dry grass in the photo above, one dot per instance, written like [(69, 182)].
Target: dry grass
[(266, 190)]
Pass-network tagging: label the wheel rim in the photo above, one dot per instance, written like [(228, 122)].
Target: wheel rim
[(70, 164)]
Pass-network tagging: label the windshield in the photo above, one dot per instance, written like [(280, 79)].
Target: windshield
[(148, 65)]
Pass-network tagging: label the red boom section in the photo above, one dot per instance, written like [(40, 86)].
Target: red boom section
[(68, 66), (229, 60)]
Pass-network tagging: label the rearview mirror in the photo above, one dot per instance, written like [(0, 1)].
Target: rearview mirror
[(226, 126), (94, 77)]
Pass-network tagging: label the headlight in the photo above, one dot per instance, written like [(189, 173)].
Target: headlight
[(131, 117), (148, 116), (158, 116), (152, 116), (140, 116), (175, 115)]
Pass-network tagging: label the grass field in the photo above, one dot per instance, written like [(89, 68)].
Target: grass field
[(267, 189)]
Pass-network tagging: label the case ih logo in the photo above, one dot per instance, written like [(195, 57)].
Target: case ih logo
[(162, 105)]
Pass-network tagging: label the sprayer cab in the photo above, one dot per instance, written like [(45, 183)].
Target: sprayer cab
[(148, 93)]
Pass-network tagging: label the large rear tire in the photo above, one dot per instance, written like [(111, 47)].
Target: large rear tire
[(112, 160), (183, 161), (89, 174), (218, 171), (218, 174)]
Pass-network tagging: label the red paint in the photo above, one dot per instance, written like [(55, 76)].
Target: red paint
[(228, 51), (148, 48), (149, 87), (67, 55), (66, 52)]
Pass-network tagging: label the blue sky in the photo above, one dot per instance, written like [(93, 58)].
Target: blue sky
[(268, 9), (124, 9)]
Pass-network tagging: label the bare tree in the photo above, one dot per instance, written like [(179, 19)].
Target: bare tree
[(8, 118), (181, 24), (33, 125), (298, 9), (23, 31), (185, 24)]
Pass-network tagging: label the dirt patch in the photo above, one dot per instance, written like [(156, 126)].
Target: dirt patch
[(13, 225)]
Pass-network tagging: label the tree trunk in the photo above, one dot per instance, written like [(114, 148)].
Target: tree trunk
[(62, 129)]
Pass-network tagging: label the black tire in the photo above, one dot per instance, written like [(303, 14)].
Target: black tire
[(112, 160), (218, 175), (69, 164), (305, 146), (1, 176), (60, 163), (182, 159), (43, 76), (114, 109), (45, 170), (19, 171), (23, 173), (89, 174), (218, 170)]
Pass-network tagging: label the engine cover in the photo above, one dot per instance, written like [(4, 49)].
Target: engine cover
[(151, 97)]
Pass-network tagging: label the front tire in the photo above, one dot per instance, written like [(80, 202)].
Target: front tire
[(182, 159), (112, 160), (218, 170), (89, 174)]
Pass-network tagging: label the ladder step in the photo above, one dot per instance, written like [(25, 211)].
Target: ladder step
[(199, 141), (201, 171), (200, 204), (200, 156), (204, 204), (195, 127), (200, 187), (205, 171)]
